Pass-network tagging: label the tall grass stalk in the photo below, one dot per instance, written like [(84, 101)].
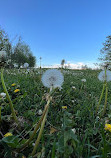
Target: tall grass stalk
[(39, 123), (53, 150), (105, 104), (36, 128), (41, 129), (100, 98), (8, 97)]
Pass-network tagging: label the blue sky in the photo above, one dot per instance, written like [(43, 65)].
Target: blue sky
[(73, 30)]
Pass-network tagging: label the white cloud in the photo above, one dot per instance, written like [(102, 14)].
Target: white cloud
[(72, 65)]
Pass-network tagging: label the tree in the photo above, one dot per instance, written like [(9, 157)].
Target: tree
[(5, 44), (3, 39), (19, 54), (62, 63), (84, 67), (31, 60), (106, 52), (22, 54)]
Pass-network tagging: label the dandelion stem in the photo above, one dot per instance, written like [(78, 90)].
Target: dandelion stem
[(100, 98), (37, 127), (81, 86), (105, 76), (105, 104), (8, 97), (64, 130), (41, 129)]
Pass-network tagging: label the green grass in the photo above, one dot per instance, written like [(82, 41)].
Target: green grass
[(90, 139)]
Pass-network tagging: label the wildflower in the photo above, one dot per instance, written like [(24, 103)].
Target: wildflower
[(13, 84), (40, 112), (73, 130), (73, 87), (26, 65), (102, 76), (2, 94), (53, 78), (108, 127), (8, 134), (64, 107), (83, 80), (33, 144), (17, 90)]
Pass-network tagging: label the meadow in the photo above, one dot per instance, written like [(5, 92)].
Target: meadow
[(73, 128)]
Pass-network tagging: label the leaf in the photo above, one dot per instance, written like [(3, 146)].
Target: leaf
[(95, 156), (53, 150), (12, 141), (52, 130), (92, 147), (60, 145), (69, 135)]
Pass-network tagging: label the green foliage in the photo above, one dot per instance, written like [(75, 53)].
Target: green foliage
[(19, 54), (77, 131), (22, 54), (106, 52), (5, 44)]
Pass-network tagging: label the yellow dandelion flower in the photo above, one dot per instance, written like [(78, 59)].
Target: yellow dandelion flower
[(64, 107), (108, 127), (13, 84), (8, 134), (17, 90)]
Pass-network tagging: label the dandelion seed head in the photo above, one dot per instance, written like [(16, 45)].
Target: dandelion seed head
[(73, 87), (26, 65), (102, 76), (40, 112), (53, 78), (73, 130), (83, 80), (2, 94)]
